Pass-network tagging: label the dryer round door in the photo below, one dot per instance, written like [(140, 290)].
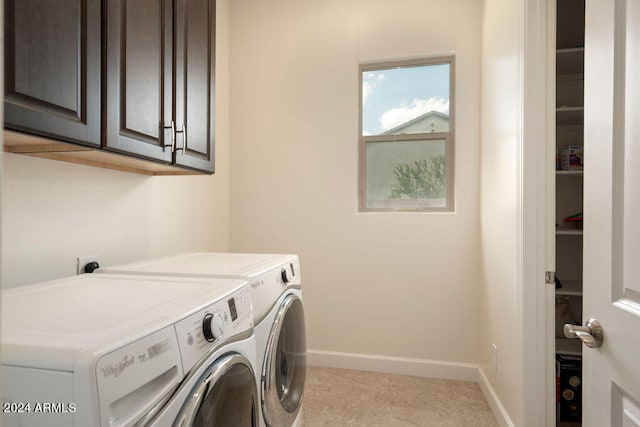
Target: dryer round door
[(285, 364), (225, 395)]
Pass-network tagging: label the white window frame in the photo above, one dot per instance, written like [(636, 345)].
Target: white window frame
[(448, 137)]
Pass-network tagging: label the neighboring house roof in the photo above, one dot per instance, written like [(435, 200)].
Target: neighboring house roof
[(431, 116)]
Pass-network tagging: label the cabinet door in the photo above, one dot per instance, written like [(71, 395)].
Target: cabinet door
[(139, 78), (195, 84), (52, 69)]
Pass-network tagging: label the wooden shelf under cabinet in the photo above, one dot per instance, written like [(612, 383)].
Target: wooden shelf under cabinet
[(34, 146)]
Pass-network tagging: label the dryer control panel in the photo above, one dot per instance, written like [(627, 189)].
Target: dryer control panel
[(268, 286), (213, 325)]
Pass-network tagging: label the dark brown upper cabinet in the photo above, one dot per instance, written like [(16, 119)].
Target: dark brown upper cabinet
[(144, 41), (139, 78), (133, 78), (52, 69), (195, 77)]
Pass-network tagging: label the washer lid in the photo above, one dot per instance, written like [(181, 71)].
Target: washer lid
[(48, 325), (206, 263)]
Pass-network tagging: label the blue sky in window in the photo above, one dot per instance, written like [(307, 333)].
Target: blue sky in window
[(396, 95)]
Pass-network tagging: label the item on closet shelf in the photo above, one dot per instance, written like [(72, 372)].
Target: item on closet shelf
[(576, 220), (569, 388), (563, 315), (558, 282), (573, 157)]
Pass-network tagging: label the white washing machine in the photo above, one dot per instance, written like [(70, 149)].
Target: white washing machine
[(276, 291), (100, 350)]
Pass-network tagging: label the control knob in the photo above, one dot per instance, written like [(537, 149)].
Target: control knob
[(212, 327), (286, 275)]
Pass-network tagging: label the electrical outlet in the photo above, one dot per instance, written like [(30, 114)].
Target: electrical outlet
[(83, 261), (494, 357)]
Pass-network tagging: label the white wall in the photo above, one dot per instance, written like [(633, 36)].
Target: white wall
[(53, 212), (500, 303), (403, 285), (424, 286)]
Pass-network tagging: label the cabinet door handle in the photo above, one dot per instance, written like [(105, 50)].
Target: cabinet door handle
[(173, 136), (183, 131)]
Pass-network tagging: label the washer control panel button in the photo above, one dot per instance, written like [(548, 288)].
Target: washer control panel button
[(227, 316), (212, 327)]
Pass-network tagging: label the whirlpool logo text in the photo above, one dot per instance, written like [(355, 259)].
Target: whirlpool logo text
[(116, 369)]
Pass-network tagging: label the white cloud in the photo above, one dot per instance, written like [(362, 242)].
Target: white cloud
[(396, 116), (369, 83), (367, 88)]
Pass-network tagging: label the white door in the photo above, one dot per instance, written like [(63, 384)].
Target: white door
[(611, 372)]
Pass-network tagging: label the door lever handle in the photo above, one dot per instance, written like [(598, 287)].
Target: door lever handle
[(590, 334)]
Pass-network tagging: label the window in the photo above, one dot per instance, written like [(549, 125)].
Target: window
[(406, 135)]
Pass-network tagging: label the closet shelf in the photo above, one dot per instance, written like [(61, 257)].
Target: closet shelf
[(569, 77), (579, 173), (568, 347), (570, 61), (568, 232), (570, 288), (569, 116)]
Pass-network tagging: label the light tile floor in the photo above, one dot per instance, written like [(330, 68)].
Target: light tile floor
[(339, 397)]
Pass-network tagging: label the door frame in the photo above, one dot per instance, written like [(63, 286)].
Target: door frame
[(536, 213)]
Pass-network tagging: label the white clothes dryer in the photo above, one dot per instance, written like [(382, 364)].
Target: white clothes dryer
[(276, 292), (99, 350)]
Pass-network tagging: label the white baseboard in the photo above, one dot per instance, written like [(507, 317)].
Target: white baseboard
[(394, 365), (502, 417)]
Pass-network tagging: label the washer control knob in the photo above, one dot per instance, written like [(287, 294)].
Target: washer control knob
[(286, 275), (212, 327)]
